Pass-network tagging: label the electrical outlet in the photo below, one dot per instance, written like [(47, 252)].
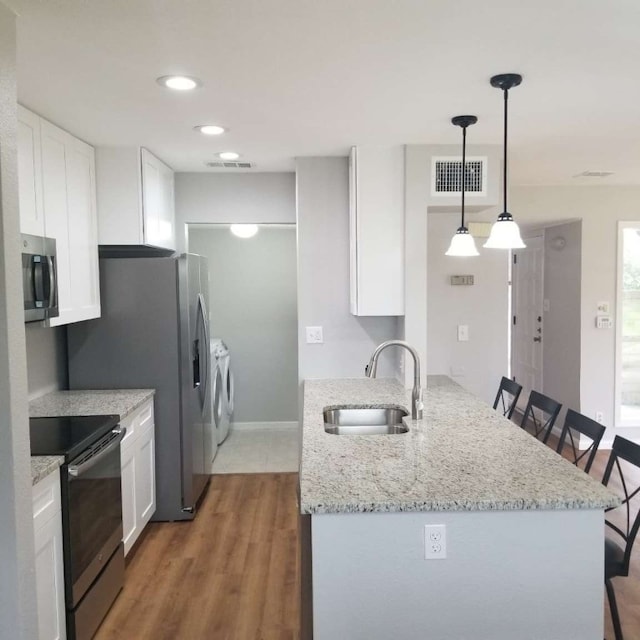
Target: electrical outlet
[(599, 417), (435, 542), (314, 335)]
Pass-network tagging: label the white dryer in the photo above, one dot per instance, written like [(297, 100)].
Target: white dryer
[(223, 391)]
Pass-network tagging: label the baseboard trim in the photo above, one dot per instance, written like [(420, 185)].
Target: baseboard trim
[(262, 426)]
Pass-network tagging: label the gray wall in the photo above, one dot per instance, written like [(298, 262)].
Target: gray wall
[(233, 197), (323, 279), (18, 615), (498, 565), (46, 359), (600, 209), (561, 328), (253, 309), (479, 363)]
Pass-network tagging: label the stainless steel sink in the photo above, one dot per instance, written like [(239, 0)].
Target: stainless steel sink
[(344, 421)]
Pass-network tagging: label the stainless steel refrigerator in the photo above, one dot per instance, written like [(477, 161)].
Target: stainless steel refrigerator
[(154, 333)]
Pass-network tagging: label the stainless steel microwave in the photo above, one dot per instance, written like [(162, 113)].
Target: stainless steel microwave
[(39, 278)]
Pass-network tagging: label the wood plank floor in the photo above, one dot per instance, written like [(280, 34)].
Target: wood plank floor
[(231, 574)]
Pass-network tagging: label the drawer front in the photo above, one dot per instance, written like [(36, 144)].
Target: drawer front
[(46, 499), (145, 415), (137, 422)]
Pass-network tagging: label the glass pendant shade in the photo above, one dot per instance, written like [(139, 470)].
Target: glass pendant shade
[(505, 234), (462, 244)]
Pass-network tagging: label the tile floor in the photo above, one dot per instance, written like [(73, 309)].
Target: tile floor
[(259, 450)]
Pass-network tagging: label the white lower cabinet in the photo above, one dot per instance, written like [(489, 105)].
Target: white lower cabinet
[(47, 523), (138, 473)]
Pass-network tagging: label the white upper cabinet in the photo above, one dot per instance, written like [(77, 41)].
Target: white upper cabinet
[(30, 173), (57, 198), (136, 199), (376, 229), (69, 203)]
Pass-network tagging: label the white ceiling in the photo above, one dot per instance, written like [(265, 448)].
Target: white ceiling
[(313, 77)]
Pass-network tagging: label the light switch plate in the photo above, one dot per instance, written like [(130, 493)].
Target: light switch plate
[(314, 335), (463, 333)]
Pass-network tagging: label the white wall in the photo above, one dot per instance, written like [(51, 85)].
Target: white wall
[(479, 363), (323, 279), (233, 197), (18, 615), (253, 309), (561, 327), (46, 359), (599, 208)]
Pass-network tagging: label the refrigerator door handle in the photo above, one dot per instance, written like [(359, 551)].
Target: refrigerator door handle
[(202, 320), (196, 363)]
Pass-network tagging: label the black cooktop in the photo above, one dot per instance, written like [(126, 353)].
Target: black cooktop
[(68, 436)]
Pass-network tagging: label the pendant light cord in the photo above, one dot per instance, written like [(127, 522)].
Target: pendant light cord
[(504, 175), (464, 168)]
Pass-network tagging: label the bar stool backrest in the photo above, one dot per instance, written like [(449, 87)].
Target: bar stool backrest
[(575, 422), (542, 424), (507, 396)]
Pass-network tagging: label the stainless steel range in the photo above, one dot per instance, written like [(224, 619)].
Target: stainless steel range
[(91, 513)]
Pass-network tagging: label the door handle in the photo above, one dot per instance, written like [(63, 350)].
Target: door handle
[(538, 339)]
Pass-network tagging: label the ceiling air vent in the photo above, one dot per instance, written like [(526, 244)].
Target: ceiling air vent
[(446, 176), (229, 165)]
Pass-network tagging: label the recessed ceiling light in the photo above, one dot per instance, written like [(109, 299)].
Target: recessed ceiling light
[(179, 83), (229, 155), (244, 230), (210, 129)]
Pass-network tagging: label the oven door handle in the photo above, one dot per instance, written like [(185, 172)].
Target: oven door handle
[(77, 470)]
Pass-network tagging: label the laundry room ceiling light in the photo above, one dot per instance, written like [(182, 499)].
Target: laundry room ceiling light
[(244, 230), (228, 155), (210, 129), (505, 233), (179, 83), (462, 243)]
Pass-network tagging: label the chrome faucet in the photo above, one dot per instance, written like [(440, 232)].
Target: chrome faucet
[(416, 394)]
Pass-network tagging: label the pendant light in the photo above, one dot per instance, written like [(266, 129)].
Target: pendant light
[(505, 233), (462, 243)]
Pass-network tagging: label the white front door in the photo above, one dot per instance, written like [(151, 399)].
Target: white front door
[(527, 291)]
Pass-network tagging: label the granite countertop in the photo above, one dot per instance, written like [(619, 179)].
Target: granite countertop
[(119, 402), (42, 466), (462, 456)]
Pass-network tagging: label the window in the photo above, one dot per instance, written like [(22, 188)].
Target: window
[(628, 326)]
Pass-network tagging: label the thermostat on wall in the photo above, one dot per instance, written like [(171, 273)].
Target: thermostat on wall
[(461, 279), (604, 322)]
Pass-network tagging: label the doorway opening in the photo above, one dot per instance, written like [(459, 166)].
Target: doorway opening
[(254, 343), (546, 314)]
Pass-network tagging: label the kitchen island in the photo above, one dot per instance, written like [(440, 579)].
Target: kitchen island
[(524, 528)]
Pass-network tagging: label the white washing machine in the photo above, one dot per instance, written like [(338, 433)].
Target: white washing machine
[(222, 391)]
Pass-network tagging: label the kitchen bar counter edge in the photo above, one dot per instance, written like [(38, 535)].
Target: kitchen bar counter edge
[(463, 456)]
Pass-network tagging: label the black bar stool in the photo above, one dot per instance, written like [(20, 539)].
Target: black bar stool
[(507, 396), (545, 406), (575, 421), (623, 521)]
